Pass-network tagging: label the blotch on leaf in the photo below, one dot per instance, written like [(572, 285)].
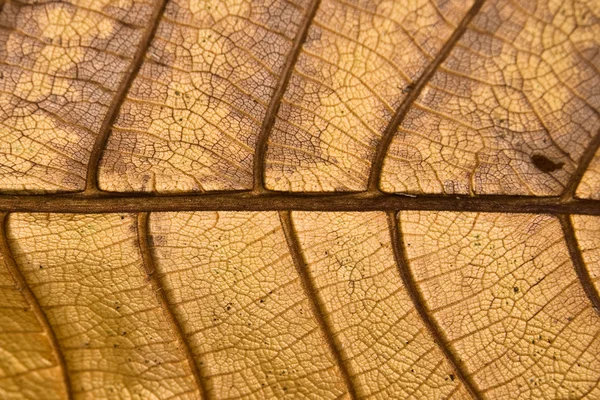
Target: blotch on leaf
[(544, 164)]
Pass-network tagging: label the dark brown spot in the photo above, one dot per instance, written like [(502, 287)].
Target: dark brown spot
[(544, 164)]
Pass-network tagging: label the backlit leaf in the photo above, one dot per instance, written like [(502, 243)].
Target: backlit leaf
[(299, 199)]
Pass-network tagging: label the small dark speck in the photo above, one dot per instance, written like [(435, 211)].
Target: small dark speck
[(452, 377), (408, 88), (516, 289), (544, 164)]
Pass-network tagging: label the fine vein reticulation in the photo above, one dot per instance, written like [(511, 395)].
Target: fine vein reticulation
[(92, 200), (91, 182), (578, 264), (36, 308), (392, 127), (306, 281), (282, 83), (157, 286), (584, 163), (419, 304)]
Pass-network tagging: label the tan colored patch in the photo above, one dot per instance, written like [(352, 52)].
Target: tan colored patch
[(192, 116), (589, 187), (355, 68), (587, 232), (517, 86), (61, 64), (28, 368), (232, 283), (506, 296), (100, 296), (385, 343)]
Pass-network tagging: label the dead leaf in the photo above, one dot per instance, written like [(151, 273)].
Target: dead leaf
[(299, 199)]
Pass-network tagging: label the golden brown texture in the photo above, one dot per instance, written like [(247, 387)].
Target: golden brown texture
[(385, 343), (590, 183), (87, 273), (230, 278), (191, 118), (504, 291), (30, 368), (510, 111), (587, 231), (61, 64), (208, 246), (358, 63)]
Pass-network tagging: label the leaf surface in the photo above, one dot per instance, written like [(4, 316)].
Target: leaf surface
[(299, 199)]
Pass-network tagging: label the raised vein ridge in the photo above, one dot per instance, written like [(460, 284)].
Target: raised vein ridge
[(578, 264), (306, 282), (36, 308), (419, 304), (404, 107), (104, 202), (258, 167), (91, 180), (584, 163), (158, 289)]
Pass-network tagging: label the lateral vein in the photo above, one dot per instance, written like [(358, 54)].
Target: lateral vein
[(91, 181), (33, 302), (158, 289), (302, 269), (419, 304), (584, 162), (419, 85), (578, 263), (268, 123)]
